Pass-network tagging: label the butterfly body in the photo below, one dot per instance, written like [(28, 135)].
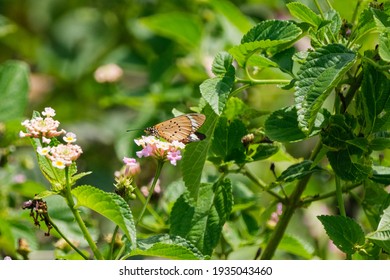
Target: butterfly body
[(181, 128)]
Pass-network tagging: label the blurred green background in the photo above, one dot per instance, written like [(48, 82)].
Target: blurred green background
[(165, 49)]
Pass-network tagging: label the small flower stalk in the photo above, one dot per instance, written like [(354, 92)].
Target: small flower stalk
[(124, 179), (160, 150)]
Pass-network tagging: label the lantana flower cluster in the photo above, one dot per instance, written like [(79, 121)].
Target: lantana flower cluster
[(46, 128), (161, 150)]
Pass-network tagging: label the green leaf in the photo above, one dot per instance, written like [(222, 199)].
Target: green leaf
[(330, 28), (269, 35), (7, 239), (200, 221), (304, 13), (350, 166), (322, 71), (14, 87), (379, 140), (376, 199), (336, 134), (380, 174), (233, 14), (167, 246), (375, 100), (345, 233), (296, 246), (227, 140), (216, 90), (298, 171), (365, 24), (282, 125), (381, 236), (284, 60), (261, 151), (109, 205), (260, 61), (195, 154), (222, 64), (181, 27), (384, 45)]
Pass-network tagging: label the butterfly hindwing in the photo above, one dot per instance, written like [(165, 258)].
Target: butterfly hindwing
[(182, 128)]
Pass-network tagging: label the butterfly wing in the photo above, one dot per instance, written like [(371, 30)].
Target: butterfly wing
[(182, 128)]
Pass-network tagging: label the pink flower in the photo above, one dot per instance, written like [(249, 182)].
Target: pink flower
[(161, 150), (146, 151), (174, 156), (132, 166), (108, 73), (39, 127)]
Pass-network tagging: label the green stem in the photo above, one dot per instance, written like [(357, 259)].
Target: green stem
[(261, 184), (112, 243), (253, 82), (284, 220), (339, 195), (151, 190), (79, 220), (311, 199), (66, 239), (148, 207), (292, 204)]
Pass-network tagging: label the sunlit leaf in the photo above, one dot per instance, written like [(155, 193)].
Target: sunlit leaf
[(323, 70), (109, 205)]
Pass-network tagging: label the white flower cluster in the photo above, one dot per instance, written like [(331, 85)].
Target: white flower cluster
[(61, 155)]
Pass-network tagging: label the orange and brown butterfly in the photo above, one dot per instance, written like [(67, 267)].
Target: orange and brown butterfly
[(182, 128)]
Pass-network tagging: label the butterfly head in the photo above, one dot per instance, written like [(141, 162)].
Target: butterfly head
[(151, 131)]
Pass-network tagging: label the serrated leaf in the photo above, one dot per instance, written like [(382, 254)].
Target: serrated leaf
[(109, 205), (381, 18), (222, 63), (304, 13), (376, 199), (349, 166), (227, 140), (14, 87), (195, 154), (282, 125), (322, 71), (365, 24), (200, 221), (345, 233), (337, 132), (216, 90), (298, 171), (328, 30), (181, 27), (375, 100), (381, 236), (167, 246), (267, 35)]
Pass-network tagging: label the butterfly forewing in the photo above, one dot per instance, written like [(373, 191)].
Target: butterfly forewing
[(182, 128)]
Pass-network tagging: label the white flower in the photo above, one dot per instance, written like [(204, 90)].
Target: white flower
[(49, 112)]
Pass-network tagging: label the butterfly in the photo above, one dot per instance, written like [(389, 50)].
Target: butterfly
[(182, 128)]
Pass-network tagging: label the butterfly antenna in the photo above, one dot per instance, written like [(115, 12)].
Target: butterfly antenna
[(135, 129)]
